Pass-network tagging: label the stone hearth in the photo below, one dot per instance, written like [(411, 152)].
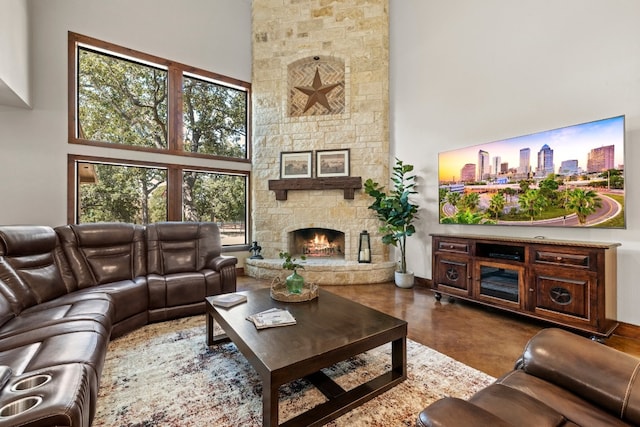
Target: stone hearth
[(324, 271)]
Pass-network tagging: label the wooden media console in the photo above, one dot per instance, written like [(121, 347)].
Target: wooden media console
[(569, 283)]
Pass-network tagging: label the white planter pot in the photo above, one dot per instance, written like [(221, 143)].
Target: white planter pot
[(404, 280)]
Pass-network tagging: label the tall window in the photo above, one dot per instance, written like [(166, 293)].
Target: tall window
[(213, 197), (121, 101), (214, 117), (122, 193), (134, 102)]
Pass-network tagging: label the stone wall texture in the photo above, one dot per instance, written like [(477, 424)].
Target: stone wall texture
[(354, 33)]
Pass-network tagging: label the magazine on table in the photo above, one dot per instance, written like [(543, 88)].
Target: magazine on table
[(272, 318), (228, 300)]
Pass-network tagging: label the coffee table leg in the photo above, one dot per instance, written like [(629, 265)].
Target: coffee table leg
[(210, 329), (399, 356), (211, 337), (270, 398)]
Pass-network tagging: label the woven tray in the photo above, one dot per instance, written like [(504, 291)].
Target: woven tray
[(279, 292)]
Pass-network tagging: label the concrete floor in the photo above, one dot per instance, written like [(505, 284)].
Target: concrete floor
[(487, 339)]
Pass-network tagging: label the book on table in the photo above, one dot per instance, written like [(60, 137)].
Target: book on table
[(272, 318), (228, 300)]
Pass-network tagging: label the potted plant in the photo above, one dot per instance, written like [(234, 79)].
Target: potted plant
[(294, 282), (397, 213)]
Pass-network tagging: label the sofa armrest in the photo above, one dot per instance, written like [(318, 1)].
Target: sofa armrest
[(606, 377), (453, 412), (226, 267), (222, 261)]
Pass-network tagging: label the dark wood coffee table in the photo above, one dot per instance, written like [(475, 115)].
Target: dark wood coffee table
[(329, 329)]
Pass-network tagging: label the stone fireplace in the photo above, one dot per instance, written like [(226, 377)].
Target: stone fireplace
[(339, 50)]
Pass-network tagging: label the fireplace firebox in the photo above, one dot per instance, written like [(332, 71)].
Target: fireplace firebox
[(317, 243)]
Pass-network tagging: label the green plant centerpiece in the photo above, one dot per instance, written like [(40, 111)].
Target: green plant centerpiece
[(294, 282), (395, 210)]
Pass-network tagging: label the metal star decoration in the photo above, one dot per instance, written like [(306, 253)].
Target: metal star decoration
[(317, 92)]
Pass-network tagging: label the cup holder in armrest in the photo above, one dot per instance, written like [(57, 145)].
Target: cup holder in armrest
[(32, 382), (19, 406)]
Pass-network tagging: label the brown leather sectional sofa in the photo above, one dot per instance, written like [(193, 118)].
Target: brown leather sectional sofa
[(65, 292), (561, 379)]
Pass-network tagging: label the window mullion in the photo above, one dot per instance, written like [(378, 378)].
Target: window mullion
[(175, 110), (174, 193)]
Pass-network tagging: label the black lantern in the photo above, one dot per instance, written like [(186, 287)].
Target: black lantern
[(364, 247)]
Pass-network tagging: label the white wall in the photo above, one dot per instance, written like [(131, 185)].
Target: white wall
[(14, 54), (465, 72), (214, 35)]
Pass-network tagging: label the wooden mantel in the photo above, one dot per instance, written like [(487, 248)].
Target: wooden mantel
[(347, 183)]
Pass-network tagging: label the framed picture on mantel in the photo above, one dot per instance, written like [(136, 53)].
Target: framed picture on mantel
[(296, 164), (332, 163)]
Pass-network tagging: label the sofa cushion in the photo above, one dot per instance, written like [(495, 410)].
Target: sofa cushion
[(96, 306), (178, 257), (573, 407), (176, 247), (104, 252), (75, 341), (21, 240), (110, 264), (602, 375), (452, 411), (516, 407), (180, 294), (28, 269), (130, 297)]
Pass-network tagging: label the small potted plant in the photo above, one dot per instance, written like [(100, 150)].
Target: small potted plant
[(294, 282), (397, 213)]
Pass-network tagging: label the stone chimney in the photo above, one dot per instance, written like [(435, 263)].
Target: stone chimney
[(320, 82)]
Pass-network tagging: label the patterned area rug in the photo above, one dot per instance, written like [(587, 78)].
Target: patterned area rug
[(165, 375)]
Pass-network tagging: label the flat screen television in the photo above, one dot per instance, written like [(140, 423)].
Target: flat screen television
[(567, 177)]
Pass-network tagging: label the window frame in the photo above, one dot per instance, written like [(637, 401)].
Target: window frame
[(136, 156), (175, 71), (174, 180)]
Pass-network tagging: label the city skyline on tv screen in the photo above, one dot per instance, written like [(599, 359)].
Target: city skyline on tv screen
[(569, 176)]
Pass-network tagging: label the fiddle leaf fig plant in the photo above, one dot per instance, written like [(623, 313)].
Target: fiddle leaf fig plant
[(394, 208)]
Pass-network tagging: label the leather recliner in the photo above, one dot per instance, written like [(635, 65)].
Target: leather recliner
[(561, 379), (110, 258), (184, 266)]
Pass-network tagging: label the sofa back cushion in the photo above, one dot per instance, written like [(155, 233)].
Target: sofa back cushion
[(599, 374), (29, 269), (103, 252), (176, 247)]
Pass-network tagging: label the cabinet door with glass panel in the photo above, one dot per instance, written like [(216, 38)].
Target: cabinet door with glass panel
[(499, 284)]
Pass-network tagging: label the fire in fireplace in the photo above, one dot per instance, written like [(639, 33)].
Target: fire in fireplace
[(317, 242)]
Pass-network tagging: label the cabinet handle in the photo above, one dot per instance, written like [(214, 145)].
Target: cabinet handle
[(530, 289)]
